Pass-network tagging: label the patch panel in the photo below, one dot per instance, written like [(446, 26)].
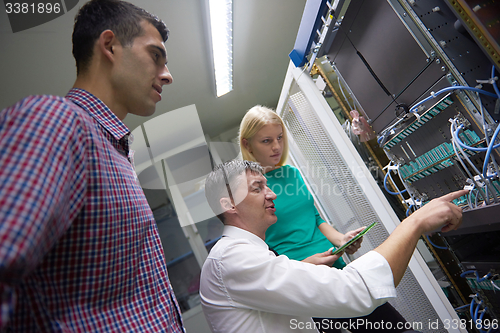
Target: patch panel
[(436, 159), (425, 117), (474, 197)]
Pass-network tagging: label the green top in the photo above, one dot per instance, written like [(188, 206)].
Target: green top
[(296, 234)]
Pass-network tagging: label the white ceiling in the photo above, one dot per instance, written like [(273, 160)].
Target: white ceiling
[(39, 60)]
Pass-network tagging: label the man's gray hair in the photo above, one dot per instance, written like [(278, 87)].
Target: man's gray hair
[(223, 181)]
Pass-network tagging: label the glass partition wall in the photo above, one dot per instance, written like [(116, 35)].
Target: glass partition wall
[(171, 159)]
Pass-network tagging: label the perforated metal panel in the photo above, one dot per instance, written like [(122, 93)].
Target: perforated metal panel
[(342, 197)]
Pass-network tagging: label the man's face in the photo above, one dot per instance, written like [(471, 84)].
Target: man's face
[(255, 200), (140, 72), (267, 145)]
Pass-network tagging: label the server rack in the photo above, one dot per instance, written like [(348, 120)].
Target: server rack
[(421, 73)]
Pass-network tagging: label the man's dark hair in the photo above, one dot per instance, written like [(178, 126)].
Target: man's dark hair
[(121, 17), (223, 181)]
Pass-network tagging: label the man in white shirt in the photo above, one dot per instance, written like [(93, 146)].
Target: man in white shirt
[(246, 288)]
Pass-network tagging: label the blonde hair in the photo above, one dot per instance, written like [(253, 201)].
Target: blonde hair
[(252, 122)]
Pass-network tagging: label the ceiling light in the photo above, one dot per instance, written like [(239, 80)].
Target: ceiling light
[(221, 23)]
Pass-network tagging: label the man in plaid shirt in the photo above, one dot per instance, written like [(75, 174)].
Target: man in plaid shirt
[(79, 247)]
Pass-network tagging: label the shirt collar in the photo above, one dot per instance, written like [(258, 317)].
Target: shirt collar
[(235, 232), (99, 111)]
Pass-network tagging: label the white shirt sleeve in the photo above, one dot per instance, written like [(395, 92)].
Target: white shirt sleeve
[(250, 277)]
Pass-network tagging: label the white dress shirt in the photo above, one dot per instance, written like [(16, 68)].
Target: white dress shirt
[(245, 288)]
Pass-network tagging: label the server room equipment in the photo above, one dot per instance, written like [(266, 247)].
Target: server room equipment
[(389, 104)]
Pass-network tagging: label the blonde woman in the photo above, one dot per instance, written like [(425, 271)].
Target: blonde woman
[(300, 232)]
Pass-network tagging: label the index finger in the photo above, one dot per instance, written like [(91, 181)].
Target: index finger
[(453, 195)]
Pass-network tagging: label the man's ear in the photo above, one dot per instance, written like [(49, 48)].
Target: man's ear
[(108, 43), (246, 144), (227, 205)]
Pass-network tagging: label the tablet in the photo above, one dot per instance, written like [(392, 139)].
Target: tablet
[(355, 238)]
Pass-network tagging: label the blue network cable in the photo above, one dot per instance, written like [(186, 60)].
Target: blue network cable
[(484, 92), (476, 312), (462, 307), (478, 279), (463, 145), (488, 150), (385, 184), (491, 146), (409, 210), (436, 246), (481, 319), (472, 309), (444, 90)]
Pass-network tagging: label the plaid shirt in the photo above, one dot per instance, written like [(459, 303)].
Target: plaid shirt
[(79, 247)]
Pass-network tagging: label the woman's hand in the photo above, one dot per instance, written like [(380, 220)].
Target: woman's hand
[(351, 249), (324, 258)]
